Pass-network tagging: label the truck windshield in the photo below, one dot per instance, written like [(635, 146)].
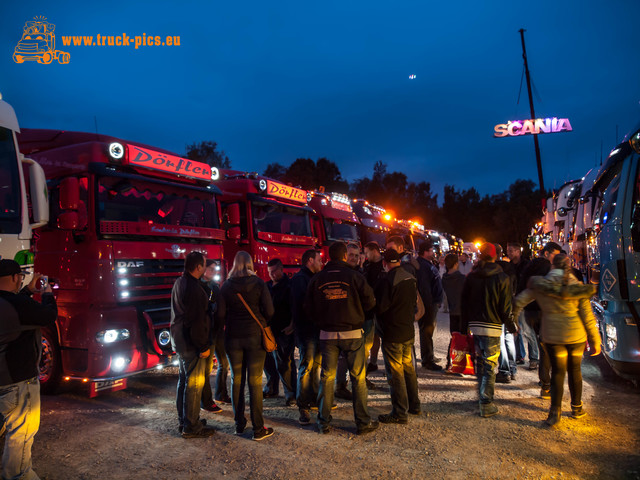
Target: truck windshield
[(122, 200), (374, 236), (271, 218), (10, 195), (340, 230)]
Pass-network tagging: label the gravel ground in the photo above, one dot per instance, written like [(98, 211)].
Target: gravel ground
[(133, 434)]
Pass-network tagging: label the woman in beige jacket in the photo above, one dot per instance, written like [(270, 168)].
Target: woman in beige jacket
[(567, 323)]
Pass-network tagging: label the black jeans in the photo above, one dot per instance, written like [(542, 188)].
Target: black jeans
[(427, 326), (353, 349), (308, 371), (189, 391), (402, 378), (280, 365), (565, 359), (223, 368), (246, 357)]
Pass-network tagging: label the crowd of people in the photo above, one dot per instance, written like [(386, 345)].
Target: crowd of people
[(338, 315), (341, 314)]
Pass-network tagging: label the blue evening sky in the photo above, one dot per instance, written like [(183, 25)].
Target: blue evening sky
[(274, 81)]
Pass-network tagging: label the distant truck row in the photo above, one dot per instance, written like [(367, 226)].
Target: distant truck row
[(117, 219), (597, 220)]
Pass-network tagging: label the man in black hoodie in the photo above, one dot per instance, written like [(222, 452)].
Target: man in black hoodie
[(336, 299), (306, 335), (486, 306), (21, 319), (396, 294), (190, 324)]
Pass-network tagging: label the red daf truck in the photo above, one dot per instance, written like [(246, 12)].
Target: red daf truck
[(266, 218), (123, 217), (333, 219)]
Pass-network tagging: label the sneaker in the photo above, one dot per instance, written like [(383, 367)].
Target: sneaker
[(545, 393), (519, 361), (290, 402), (416, 411), (343, 392), (390, 418), (577, 412), (323, 430), (488, 410), (203, 421), (213, 408), (305, 418), (269, 394), (370, 384), (533, 365), (204, 432), (503, 378), (367, 428), (240, 427), (262, 434), (434, 367), (372, 367), (226, 399), (513, 377)]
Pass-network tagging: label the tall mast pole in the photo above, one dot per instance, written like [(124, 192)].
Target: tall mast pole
[(533, 113)]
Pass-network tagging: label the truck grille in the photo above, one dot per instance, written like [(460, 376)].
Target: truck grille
[(143, 280)]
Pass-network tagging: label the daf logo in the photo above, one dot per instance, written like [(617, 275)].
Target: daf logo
[(130, 264), (176, 251)]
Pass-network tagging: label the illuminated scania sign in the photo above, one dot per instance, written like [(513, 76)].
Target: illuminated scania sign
[(285, 191), (166, 163), (532, 127)]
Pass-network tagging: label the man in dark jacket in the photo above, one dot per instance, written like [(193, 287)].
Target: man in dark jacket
[(486, 306), (21, 319), (539, 266), (525, 332), (373, 271), (212, 290), (306, 336), (336, 299), (507, 367), (280, 364), (452, 283), (430, 288), (396, 294), (190, 324)]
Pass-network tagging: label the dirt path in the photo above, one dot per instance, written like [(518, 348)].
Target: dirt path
[(133, 434)]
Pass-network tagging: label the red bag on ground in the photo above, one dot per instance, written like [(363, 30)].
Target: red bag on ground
[(462, 354)]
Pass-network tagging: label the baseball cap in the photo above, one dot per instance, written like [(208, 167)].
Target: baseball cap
[(391, 256), (10, 267)]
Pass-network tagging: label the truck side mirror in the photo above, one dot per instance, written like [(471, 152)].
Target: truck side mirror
[(233, 233), (69, 194), (68, 221), (38, 192), (233, 214)]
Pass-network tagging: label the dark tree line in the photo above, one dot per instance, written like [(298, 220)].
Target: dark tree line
[(501, 218)]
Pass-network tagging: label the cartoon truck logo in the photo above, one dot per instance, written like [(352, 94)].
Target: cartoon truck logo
[(38, 43)]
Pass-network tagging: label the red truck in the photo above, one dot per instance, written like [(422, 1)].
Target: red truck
[(266, 218), (333, 219), (123, 217)]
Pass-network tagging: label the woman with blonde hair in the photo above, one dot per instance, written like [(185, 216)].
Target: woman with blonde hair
[(244, 296), (567, 323)]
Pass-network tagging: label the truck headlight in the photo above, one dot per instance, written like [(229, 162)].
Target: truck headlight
[(164, 337), (612, 336), (112, 335), (118, 364)]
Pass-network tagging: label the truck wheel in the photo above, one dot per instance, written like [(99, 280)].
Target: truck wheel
[(46, 58), (63, 57), (50, 363)]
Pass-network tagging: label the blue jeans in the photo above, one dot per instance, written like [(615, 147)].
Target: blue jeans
[(487, 353), (529, 339), (308, 372), (189, 391), (20, 412), (223, 368), (207, 392), (507, 361), (354, 352), (280, 366), (246, 357), (402, 378)]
